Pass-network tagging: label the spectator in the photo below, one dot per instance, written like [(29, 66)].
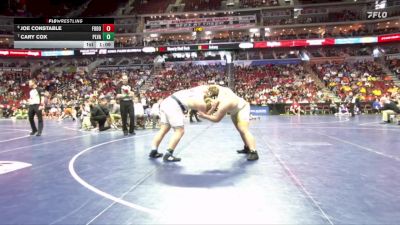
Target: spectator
[(376, 106), (155, 112), (295, 108), (139, 113)]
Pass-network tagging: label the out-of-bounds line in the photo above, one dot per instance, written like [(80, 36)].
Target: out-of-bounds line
[(10, 132), (298, 182), (367, 124), (69, 128), (14, 129), (362, 147), (73, 173), (342, 128), (12, 139), (70, 213), (339, 121), (287, 123), (43, 143)]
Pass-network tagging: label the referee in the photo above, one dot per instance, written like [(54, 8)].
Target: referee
[(36, 106), (125, 95)]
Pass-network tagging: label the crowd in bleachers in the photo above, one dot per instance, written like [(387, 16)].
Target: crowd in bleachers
[(365, 50), (365, 78), (13, 64), (271, 84), (258, 84), (258, 3), (390, 49), (313, 52), (61, 88), (66, 94), (182, 76), (12, 87), (131, 60), (394, 66)]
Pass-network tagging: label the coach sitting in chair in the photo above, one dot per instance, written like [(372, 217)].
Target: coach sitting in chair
[(390, 107)]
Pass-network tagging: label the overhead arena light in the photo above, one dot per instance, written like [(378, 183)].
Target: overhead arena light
[(297, 12), (254, 30), (246, 45), (149, 49), (230, 3)]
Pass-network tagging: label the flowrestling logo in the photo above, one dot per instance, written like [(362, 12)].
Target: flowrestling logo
[(377, 15)]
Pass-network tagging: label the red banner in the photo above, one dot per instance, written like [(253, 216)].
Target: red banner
[(162, 49), (389, 38), (20, 53), (260, 44), (203, 47), (294, 43)]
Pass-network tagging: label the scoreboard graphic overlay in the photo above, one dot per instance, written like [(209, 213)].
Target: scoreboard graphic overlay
[(44, 33)]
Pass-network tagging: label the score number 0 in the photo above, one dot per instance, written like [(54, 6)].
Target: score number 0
[(108, 28)]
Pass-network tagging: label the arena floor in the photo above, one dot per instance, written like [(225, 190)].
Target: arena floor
[(312, 170)]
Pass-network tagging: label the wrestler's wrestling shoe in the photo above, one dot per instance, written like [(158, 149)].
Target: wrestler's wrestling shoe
[(252, 156), (245, 150), (168, 157), (154, 154)]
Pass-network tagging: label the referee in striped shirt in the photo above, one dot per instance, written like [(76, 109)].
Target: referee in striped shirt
[(125, 94), (36, 105)]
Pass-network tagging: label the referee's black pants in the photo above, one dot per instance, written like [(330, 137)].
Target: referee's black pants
[(351, 109), (127, 109), (34, 110)]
